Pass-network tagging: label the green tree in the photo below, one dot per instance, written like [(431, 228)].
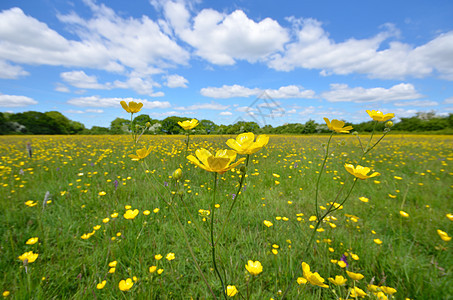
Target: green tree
[(36, 122), (76, 127), (63, 123), (170, 125), (119, 126), (99, 130), (4, 128)]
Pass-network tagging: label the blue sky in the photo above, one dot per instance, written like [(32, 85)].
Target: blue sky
[(268, 61)]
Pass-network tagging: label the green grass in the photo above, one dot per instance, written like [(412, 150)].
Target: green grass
[(412, 258)]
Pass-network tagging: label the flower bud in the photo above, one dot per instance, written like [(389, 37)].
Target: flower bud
[(177, 174), (389, 124), (243, 169), (148, 124), (137, 126)]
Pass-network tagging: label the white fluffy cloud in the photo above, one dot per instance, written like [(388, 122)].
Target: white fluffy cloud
[(229, 91), (238, 91), (96, 101), (224, 38), (344, 93), (81, 80), (290, 91), (226, 113), (421, 103), (211, 106), (313, 49), (448, 100), (16, 101), (106, 41), (175, 81), (9, 71)]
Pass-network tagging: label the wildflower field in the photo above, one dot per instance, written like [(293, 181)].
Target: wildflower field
[(103, 217)]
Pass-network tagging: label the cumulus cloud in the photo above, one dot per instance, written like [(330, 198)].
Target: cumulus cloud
[(229, 91), (238, 91), (62, 88), (9, 71), (211, 106), (97, 101), (175, 81), (226, 113), (16, 101), (422, 103), (344, 93), (224, 38), (290, 91), (96, 111), (106, 41), (81, 80), (313, 49), (448, 100)]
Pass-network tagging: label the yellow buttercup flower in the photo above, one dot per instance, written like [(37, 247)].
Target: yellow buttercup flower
[(301, 280), (356, 292), (254, 267), (231, 290), (29, 256), (141, 153), (130, 214), (379, 116), (170, 256), (443, 235), (32, 241), (245, 144), (132, 107), (31, 203), (126, 285), (188, 124), (354, 276), (101, 285), (337, 126), (339, 280), (268, 223), (450, 216), (152, 269), (313, 278), (220, 163), (359, 171), (404, 214), (388, 290)]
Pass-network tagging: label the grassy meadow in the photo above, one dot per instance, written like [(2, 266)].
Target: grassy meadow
[(84, 237)]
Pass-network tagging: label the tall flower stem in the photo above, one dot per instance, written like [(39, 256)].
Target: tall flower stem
[(212, 235), (241, 184), (318, 223), (186, 239), (320, 173), (371, 137), (190, 248)]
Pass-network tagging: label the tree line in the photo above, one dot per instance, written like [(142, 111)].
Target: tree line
[(53, 122)]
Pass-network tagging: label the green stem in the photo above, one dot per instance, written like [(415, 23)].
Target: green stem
[(190, 249), (193, 220), (318, 223), (385, 133), (241, 183), (212, 235), (371, 137), (320, 173)]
